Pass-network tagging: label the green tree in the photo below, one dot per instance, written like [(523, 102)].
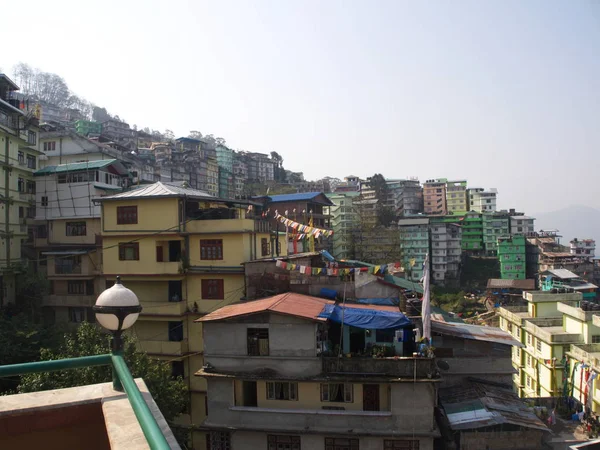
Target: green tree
[(170, 394)]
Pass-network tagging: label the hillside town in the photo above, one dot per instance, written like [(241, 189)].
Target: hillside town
[(335, 314)]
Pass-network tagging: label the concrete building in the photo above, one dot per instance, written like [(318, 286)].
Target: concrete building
[(522, 225), (495, 225), (20, 155), (260, 166), (512, 255), (117, 129), (68, 238), (434, 197), (212, 177), (472, 233), (547, 336), (414, 242), (583, 247), (456, 197), (225, 162), (351, 183), (181, 251), (277, 380), (481, 200), (343, 218), (446, 239), (565, 279)]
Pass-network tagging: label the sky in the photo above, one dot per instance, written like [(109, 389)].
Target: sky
[(505, 94)]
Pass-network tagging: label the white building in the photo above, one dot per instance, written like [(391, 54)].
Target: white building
[(481, 200), (583, 247), (445, 252), (522, 225)]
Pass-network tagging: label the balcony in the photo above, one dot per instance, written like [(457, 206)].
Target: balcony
[(164, 347), (86, 301), (225, 225), (163, 308), (386, 367), (572, 309), (514, 314), (550, 330)]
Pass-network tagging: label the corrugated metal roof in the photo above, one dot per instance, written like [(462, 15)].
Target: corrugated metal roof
[(563, 274), (87, 165), (159, 190), (558, 255), (300, 196), (475, 332), (497, 283), (289, 303), (477, 405), (403, 283)]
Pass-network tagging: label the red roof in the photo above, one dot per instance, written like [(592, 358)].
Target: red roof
[(290, 303)]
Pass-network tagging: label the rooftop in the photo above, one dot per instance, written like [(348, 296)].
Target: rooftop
[(161, 190), (563, 274), (299, 197), (81, 166), (475, 332), (5, 81), (496, 283)]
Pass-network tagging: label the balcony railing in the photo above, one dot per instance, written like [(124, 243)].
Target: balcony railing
[(70, 300), (163, 308), (164, 347), (393, 367)]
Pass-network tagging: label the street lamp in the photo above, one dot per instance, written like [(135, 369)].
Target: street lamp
[(116, 310)]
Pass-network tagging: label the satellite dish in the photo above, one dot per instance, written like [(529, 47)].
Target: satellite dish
[(443, 365)]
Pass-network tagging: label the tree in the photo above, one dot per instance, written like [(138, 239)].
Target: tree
[(31, 286), (100, 114), (170, 395), (169, 135), (195, 135)]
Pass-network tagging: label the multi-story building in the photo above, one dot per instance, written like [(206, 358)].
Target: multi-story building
[(405, 196), (512, 255), (481, 200), (240, 168), (273, 385), (226, 180), (351, 183), (434, 197), (116, 129), (456, 197), (212, 177), (414, 242), (343, 220), (495, 225), (522, 225), (565, 279), (181, 251), (583, 247), (446, 239), (311, 186), (68, 236), (88, 128), (260, 166), (547, 324), (472, 233), (20, 153)]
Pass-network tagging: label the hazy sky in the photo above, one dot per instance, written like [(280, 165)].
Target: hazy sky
[(505, 94)]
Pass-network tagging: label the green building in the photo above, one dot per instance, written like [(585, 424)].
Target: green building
[(225, 162), (343, 220), (511, 253), (414, 242), (495, 225), (88, 127), (472, 233)]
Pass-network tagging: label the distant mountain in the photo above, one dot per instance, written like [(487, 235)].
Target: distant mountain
[(574, 221)]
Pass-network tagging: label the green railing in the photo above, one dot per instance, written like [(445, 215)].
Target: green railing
[(122, 380)]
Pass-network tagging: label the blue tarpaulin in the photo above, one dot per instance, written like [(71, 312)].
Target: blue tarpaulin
[(392, 301), (327, 255), (369, 319)]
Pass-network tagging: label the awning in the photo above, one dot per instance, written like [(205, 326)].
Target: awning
[(369, 319), (67, 252)]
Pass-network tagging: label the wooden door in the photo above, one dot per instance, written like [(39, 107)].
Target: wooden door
[(370, 397)]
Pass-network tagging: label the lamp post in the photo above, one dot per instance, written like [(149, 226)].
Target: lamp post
[(117, 309)]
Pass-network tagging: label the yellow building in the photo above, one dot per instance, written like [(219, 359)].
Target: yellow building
[(181, 251), (547, 325), (20, 152)]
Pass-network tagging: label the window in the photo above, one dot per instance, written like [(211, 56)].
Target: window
[(336, 392), (44, 201), (42, 232), (282, 391), (211, 249), (177, 369), (528, 380), (341, 444), (385, 335), (50, 146), (596, 339), (529, 339), (282, 442), (31, 163), (127, 215), (21, 184), (176, 331), (76, 229), (67, 265), (31, 137), (400, 444), (30, 187), (538, 345), (213, 289), (76, 287), (76, 315), (258, 341), (264, 247), (21, 158), (509, 326), (129, 252), (219, 440), (567, 348), (529, 364)]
